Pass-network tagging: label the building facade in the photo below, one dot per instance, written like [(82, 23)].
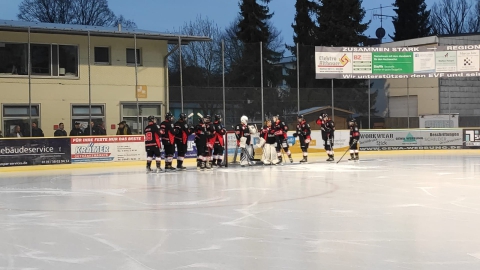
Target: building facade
[(73, 67)]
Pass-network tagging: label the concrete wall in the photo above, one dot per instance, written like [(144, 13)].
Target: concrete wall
[(110, 84), (460, 95), (426, 89)]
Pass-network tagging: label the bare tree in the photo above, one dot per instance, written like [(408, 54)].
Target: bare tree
[(453, 17), (84, 12)]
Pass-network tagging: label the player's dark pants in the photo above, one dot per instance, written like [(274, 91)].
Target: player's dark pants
[(202, 150), (303, 144), (218, 153), (169, 152), (181, 151), (282, 143), (353, 146), (328, 143), (153, 151)]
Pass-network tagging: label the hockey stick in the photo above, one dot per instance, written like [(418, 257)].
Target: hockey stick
[(346, 151), (190, 115)]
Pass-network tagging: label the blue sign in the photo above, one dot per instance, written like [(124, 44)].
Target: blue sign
[(27, 152)]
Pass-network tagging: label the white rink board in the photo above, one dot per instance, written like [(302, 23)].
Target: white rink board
[(413, 139)]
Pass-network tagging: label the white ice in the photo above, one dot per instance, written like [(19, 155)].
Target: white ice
[(385, 212)]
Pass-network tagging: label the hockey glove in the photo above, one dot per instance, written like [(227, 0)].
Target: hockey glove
[(295, 134)]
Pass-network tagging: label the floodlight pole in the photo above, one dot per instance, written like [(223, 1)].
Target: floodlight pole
[(261, 79), (369, 104), (136, 84), (223, 79), (29, 83), (298, 79), (333, 105), (181, 70), (89, 89)]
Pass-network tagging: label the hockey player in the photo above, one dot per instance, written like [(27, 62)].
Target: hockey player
[(181, 139), (242, 132), (303, 133), (168, 132), (281, 136), (328, 130), (268, 141), (354, 138), (219, 142), (152, 143), (210, 141), (201, 143)]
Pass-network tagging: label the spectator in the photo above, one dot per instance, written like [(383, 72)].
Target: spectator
[(86, 132), (76, 131), (101, 129), (17, 133), (36, 131), (60, 132), (123, 129)]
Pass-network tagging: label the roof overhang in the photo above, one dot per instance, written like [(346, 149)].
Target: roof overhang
[(46, 28)]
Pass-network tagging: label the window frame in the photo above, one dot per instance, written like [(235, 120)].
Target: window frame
[(35, 118), (51, 76), (139, 57), (109, 56), (73, 115)]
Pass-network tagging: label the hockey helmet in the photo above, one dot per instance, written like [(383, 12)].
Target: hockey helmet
[(151, 118), (324, 115), (352, 121), (182, 116), (218, 117), (300, 117), (244, 119), (168, 116), (208, 118)]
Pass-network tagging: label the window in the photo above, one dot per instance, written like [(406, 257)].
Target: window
[(129, 114), (46, 59), (68, 60), (40, 59), (131, 57), (13, 59), (80, 113), (18, 115), (102, 55)]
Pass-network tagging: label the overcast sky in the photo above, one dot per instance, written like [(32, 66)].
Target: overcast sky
[(162, 15)]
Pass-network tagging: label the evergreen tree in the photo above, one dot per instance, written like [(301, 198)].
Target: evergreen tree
[(253, 28), (412, 20), (305, 35), (341, 24)]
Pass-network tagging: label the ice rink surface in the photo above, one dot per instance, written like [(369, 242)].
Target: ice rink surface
[(384, 212)]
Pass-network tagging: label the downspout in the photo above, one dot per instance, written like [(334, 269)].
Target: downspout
[(167, 85)]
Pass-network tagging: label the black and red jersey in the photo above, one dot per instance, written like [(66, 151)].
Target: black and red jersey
[(168, 132), (354, 133), (242, 130), (280, 129), (220, 131), (328, 128), (152, 136), (200, 132), (268, 134), (183, 131), (304, 130)]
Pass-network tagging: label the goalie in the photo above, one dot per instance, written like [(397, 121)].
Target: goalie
[(268, 142), (243, 133)]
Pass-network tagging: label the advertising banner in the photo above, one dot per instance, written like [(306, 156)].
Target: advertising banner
[(472, 138), (419, 139), (397, 62), (107, 149), (25, 152)]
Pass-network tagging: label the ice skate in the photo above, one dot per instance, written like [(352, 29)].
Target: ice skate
[(148, 170), (158, 170), (291, 159), (304, 160), (352, 157)]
